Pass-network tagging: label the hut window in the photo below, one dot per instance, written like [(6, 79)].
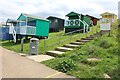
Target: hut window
[(56, 20), (50, 21)]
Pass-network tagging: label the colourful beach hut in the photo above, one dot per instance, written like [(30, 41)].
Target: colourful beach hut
[(75, 21), (56, 24), (28, 25)]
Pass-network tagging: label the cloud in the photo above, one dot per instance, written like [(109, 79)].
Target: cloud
[(44, 8)]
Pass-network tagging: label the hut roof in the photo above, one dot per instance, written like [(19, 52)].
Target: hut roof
[(31, 17)]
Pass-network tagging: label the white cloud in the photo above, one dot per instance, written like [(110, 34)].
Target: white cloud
[(45, 8)]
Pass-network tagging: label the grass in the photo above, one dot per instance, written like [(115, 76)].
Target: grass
[(53, 38), (75, 62)]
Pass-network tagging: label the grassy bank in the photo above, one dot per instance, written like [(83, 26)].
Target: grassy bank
[(76, 63)]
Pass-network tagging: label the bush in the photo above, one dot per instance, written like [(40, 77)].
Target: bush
[(91, 49), (105, 44), (66, 65), (113, 50), (75, 57)]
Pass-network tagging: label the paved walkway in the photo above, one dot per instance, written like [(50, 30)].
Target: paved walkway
[(16, 66), (40, 58)]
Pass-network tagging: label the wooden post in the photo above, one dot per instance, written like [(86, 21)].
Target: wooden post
[(100, 32), (45, 45), (22, 41), (109, 33), (59, 39)]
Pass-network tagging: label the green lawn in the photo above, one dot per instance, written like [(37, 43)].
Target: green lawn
[(75, 62), (53, 38)]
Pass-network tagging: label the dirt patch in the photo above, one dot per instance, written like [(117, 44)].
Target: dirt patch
[(93, 59)]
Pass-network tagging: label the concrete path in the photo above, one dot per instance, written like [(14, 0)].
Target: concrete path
[(40, 58), (16, 66)]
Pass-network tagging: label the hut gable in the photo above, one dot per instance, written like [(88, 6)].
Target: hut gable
[(108, 13), (23, 16), (72, 14)]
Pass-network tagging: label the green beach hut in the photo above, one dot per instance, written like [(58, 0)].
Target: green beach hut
[(75, 21), (29, 25), (34, 25)]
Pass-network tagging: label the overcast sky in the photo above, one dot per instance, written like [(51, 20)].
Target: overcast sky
[(59, 8)]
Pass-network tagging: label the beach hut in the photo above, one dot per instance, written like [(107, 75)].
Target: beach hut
[(29, 25), (93, 20), (75, 21), (56, 24), (4, 31), (106, 22), (109, 16)]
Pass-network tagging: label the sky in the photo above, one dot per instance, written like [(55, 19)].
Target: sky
[(59, 8)]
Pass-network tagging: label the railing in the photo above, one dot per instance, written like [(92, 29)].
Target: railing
[(74, 22), (64, 38), (23, 30), (29, 30), (17, 29), (61, 39), (13, 32)]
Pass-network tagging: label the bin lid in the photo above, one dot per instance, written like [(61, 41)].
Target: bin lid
[(35, 39)]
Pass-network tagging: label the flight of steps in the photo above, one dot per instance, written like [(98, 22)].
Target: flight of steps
[(69, 47)]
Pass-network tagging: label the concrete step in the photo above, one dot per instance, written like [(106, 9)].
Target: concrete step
[(40, 58), (71, 45), (77, 43), (54, 53), (63, 49), (106, 76), (93, 59), (91, 37), (83, 40), (87, 38)]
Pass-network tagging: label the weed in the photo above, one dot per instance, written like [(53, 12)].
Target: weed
[(66, 65), (105, 44)]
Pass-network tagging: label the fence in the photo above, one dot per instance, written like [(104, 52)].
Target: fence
[(65, 38), (61, 39), (29, 30)]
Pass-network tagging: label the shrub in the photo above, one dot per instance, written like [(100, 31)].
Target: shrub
[(75, 57), (94, 51), (113, 50), (91, 49), (66, 65), (105, 44)]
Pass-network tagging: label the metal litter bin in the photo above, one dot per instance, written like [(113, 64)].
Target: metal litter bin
[(34, 46)]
